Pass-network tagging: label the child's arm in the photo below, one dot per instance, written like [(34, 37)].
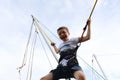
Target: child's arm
[(88, 35), (55, 48)]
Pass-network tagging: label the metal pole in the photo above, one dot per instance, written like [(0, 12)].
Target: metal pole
[(100, 66)]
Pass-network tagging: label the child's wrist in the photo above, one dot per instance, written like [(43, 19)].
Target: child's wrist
[(53, 44)]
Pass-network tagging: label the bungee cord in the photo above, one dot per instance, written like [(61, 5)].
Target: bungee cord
[(93, 9), (36, 22), (84, 29), (44, 50), (30, 63), (91, 67), (44, 34), (26, 49), (49, 31), (25, 53)]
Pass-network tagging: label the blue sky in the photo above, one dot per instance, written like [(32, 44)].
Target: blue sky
[(15, 20)]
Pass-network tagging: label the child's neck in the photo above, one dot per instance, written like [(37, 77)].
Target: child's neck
[(65, 40)]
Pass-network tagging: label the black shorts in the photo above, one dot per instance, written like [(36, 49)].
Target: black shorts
[(64, 72)]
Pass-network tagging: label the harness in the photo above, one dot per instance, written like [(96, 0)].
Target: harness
[(68, 58), (66, 61)]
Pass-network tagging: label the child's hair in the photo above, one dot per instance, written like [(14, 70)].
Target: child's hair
[(62, 27)]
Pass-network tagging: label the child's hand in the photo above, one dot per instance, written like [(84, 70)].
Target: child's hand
[(52, 44), (88, 21)]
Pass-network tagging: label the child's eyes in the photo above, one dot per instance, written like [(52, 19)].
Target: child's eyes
[(62, 33)]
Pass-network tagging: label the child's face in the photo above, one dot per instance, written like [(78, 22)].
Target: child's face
[(63, 34)]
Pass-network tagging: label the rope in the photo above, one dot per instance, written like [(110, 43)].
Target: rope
[(91, 67), (93, 9), (84, 29), (36, 23), (25, 53), (30, 64), (50, 31), (45, 51), (26, 49)]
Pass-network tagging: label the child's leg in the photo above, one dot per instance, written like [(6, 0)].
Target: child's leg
[(49, 76), (79, 75)]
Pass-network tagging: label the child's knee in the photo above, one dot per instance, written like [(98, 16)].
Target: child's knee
[(79, 75), (47, 77)]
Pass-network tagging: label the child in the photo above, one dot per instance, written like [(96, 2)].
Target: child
[(68, 65)]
